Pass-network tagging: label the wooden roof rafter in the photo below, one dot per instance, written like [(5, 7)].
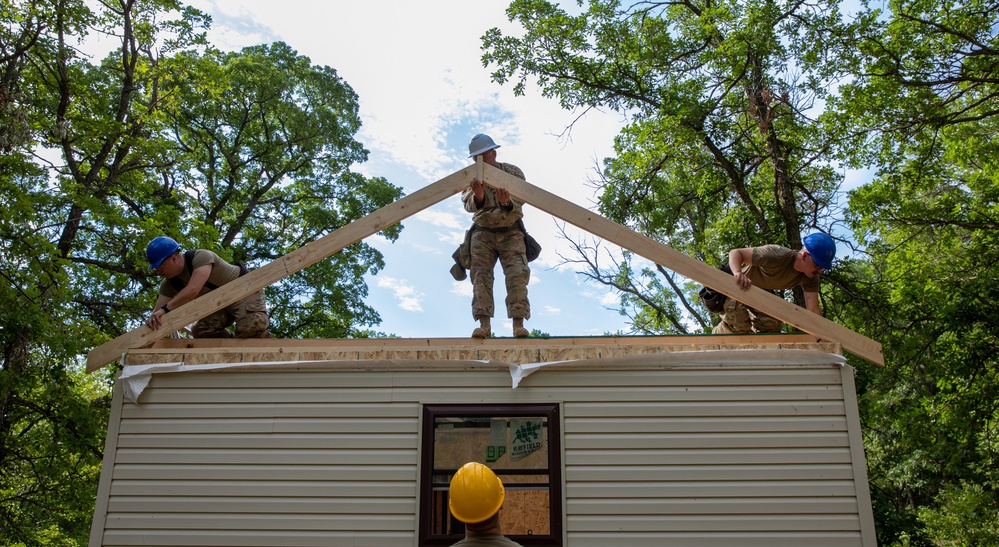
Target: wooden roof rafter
[(432, 194)]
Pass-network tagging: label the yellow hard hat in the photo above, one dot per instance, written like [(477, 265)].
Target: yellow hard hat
[(476, 493)]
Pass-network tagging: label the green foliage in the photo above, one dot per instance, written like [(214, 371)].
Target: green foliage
[(931, 231), (56, 294), (720, 150), (264, 168), (738, 115), (58, 418), (928, 221), (964, 515), (245, 153)]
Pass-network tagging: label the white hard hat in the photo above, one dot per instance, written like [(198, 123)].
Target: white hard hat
[(480, 143)]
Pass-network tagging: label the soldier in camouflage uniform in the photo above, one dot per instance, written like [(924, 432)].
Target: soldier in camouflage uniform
[(773, 267), (496, 236), (207, 271)]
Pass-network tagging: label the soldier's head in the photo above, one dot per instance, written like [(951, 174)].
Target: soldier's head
[(483, 145), (475, 496), (163, 254), (818, 254)]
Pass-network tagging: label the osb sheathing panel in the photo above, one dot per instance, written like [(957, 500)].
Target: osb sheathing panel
[(506, 350)]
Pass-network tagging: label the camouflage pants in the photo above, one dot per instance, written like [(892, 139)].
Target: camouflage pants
[(509, 248), (739, 318), (249, 316)]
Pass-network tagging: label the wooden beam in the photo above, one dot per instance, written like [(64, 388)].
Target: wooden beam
[(686, 266), (280, 268), (444, 188)]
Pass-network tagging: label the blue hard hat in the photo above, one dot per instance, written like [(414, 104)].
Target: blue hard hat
[(160, 249), (822, 249)]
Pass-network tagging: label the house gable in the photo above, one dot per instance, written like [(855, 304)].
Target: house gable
[(432, 194)]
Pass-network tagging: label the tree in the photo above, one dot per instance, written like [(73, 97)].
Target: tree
[(26, 23), (252, 173), (933, 417), (923, 110), (738, 112), (722, 149), (262, 168), (52, 416)]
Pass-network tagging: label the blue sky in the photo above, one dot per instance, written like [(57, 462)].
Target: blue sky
[(423, 93), (416, 67)]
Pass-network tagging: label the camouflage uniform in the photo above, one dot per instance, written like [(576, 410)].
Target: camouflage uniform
[(248, 314), (496, 236), (739, 318), (772, 269)]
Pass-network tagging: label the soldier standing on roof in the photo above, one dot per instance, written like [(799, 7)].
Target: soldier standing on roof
[(194, 273), (773, 267), (496, 235)]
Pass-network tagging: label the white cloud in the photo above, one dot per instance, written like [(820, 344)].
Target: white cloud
[(423, 92), (418, 74), (462, 288), (610, 300), (505, 326), (408, 297), (452, 238), (441, 219)]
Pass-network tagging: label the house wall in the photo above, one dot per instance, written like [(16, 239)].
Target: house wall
[(671, 449)]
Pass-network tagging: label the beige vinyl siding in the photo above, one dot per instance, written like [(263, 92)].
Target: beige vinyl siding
[(716, 457), (654, 454), (280, 457)]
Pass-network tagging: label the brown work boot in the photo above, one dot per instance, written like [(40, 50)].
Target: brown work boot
[(483, 330), (518, 328)]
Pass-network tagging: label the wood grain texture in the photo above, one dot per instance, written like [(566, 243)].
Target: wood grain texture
[(393, 213), (686, 266), (281, 268)]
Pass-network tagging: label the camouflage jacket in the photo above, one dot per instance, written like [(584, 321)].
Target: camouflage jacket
[(492, 214)]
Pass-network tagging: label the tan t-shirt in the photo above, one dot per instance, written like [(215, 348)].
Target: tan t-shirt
[(222, 273), (773, 269)]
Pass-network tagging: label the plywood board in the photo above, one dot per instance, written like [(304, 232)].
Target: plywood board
[(441, 351)]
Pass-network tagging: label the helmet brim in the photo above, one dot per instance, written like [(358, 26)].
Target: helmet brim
[(815, 258), (484, 150)]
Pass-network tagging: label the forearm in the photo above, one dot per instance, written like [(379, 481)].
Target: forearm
[(470, 204), (736, 259), (161, 301), (812, 302)]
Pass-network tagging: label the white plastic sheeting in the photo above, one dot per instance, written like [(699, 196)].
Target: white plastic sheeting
[(135, 378)]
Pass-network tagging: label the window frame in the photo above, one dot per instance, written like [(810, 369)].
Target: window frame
[(430, 412)]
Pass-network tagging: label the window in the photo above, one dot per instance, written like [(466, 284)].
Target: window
[(520, 443)]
